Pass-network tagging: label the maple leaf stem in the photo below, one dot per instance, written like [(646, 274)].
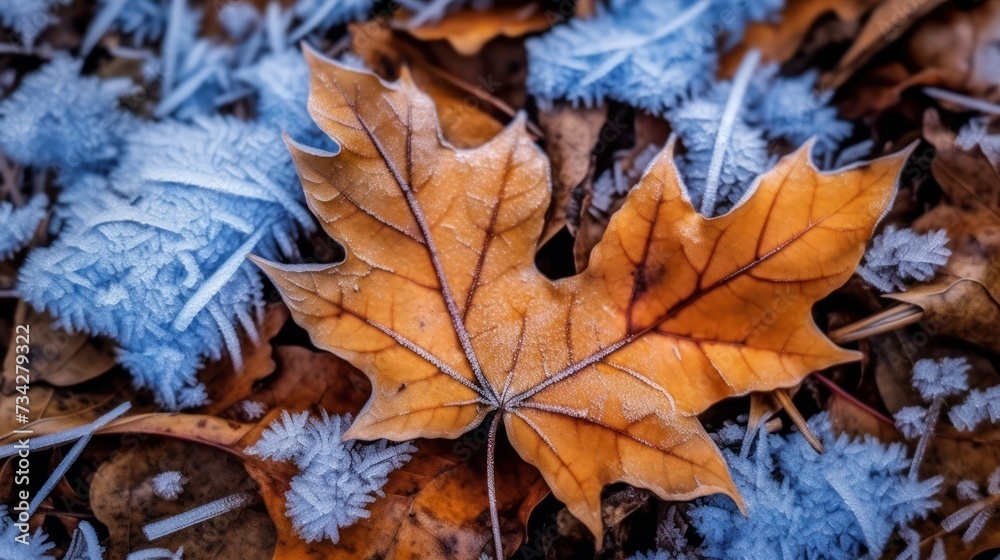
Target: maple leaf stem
[(491, 485), (729, 115)]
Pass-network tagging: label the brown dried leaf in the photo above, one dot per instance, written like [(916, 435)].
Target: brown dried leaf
[(121, 496), (778, 40), (56, 357), (467, 31), (571, 133), (963, 300), (955, 49), (887, 23)]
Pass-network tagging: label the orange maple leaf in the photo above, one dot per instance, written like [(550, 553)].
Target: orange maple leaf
[(597, 378)]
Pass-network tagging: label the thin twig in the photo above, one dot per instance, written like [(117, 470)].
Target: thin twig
[(840, 391), (963, 100), (785, 400), (895, 317), (501, 105)]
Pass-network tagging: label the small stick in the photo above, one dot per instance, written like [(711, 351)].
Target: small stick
[(785, 400), (485, 96), (895, 317)]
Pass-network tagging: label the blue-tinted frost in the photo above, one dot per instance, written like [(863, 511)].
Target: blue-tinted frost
[(841, 504), (337, 479)]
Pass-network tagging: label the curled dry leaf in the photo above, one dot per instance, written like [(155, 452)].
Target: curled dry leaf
[(778, 40), (963, 300), (439, 304), (122, 498), (464, 122), (469, 30), (571, 134), (887, 23), (435, 506), (954, 49)]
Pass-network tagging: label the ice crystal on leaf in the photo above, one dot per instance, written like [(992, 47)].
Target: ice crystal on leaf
[(86, 545), (898, 256), (37, 543), (336, 479), (648, 53), (156, 258), (28, 18), (942, 378), (58, 118), (841, 504), (18, 224), (726, 131), (978, 406), (169, 485), (141, 21), (977, 513)]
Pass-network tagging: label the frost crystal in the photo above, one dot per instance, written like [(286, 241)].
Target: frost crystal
[(85, 544), (938, 379), (9, 548), (156, 554), (979, 512), (28, 18), (648, 53), (898, 256), (253, 410), (726, 131), (912, 421), (169, 485), (978, 406), (59, 119), (18, 225), (839, 504), (157, 258), (336, 479)]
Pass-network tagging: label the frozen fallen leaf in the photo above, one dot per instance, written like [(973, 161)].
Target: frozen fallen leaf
[(439, 303)]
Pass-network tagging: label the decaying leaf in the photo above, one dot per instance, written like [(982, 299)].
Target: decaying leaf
[(122, 498), (778, 40), (963, 300), (439, 304), (955, 48), (58, 357), (435, 506), (468, 30), (571, 133)]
